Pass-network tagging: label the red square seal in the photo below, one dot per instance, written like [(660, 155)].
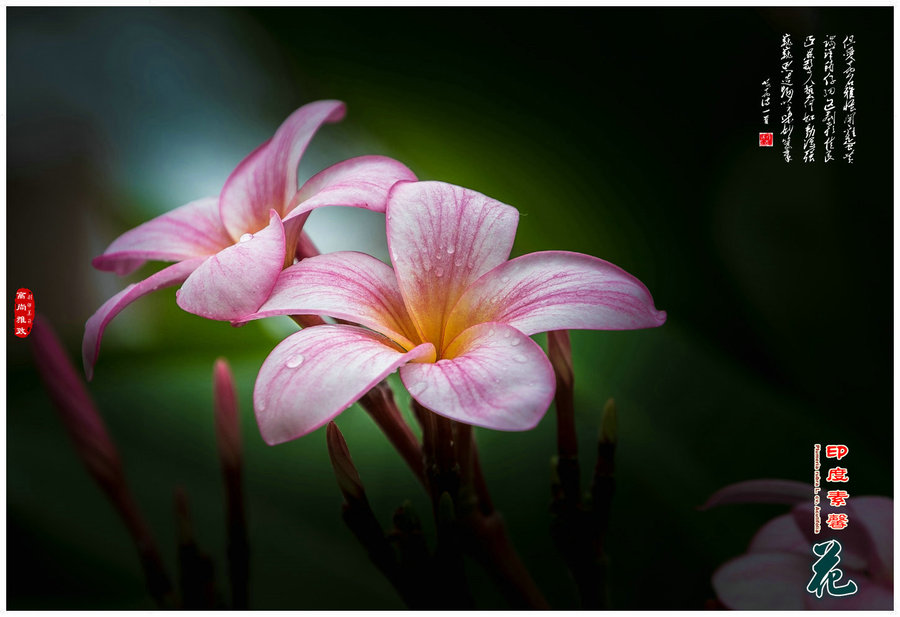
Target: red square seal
[(766, 140)]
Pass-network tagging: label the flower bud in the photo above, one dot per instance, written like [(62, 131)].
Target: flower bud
[(76, 408), (346, 474), (228, 424)]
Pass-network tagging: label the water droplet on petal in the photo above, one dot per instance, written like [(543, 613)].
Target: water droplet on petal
[(439, 272), (519, 358), (514, 342), (417, 388), (246, 237), (427, 265), (504, 279), (459, 262), (471, 264), (451, 249), (506, 334), (491, 332), (294, 361)]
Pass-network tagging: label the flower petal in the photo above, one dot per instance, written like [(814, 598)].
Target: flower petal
[(856, 545), (267, 178), (237, 280), (345, 285), (441, 239), (96, 324), (875, 515), (780, 535), (761, 491), (193, 230), (496, 377), (361, 182), (315, 374), (764, 581), (557, 290)]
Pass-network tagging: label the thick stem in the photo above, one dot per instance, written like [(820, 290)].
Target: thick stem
[(379, 403), (559, 350), (488, 542), (490, 545), (307, 321)]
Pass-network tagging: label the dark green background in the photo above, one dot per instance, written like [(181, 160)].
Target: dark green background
[(626, 134)]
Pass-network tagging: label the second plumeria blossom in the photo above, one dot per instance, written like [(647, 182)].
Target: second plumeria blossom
[(454, 315), (230, 249)]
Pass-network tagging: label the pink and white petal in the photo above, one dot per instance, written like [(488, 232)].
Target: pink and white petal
[(492, 376), (315, 374), (442, 238), (874, 515), (96, 324), (856, 545), (267, 178), (193, 230), (557, 290), (764, 581), (761, 491), (361, 182), (345, 285), (237, 280), (780, 535)]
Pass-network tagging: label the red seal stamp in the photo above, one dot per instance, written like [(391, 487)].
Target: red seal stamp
[(766, 140), (23, 313)]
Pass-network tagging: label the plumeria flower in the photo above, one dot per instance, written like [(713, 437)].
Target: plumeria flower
[(777, 567), (230, 249), (454, 315)]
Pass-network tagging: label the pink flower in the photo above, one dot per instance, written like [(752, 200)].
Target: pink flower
[(777, 567), (453, 315), (231, 249)]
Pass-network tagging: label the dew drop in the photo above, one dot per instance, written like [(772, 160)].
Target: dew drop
[(246, 237), (427, 265), (504, 279), (519, 358), (294, 361), (514, 342), (471, 264), (459, 262), (439, 272), (491, 332), (506, 334), (417, 388), (451, 249)]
